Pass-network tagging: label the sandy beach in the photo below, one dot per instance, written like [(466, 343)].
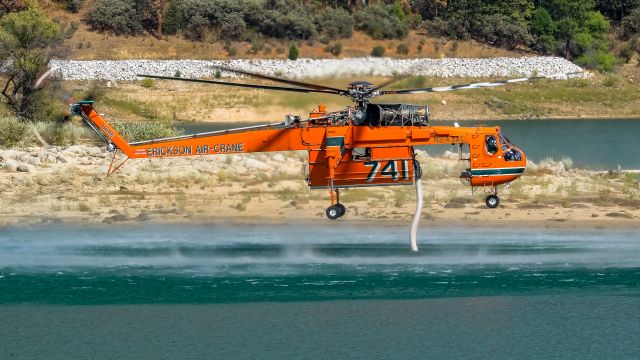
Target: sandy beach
[(69, 185)]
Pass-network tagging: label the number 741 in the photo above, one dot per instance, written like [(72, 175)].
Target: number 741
[(389, 169)]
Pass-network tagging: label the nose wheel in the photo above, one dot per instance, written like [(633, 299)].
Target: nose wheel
[(492, 201), (335, 211)]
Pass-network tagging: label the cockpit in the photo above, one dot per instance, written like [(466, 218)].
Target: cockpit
[(509, 151)]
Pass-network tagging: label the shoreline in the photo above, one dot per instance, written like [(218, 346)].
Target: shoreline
[(424, 225)]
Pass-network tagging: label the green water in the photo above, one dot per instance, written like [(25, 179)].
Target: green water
[(594, 143), (313, 291)]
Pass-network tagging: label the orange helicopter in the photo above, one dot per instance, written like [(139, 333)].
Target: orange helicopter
[(367, 144)]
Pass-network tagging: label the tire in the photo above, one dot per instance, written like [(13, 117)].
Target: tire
[(492, 201), (342, 208), (333, 212)]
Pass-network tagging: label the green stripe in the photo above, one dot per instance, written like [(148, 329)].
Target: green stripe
[(487, 172), (335, 141)]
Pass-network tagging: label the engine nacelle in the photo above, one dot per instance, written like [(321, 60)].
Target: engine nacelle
[(396, 115)]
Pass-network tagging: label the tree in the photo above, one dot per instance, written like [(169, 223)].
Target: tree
[(117, 16), (160, 8), (27, 39), (12, 6), (293, 52)]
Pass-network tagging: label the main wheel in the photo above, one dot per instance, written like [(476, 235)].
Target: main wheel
[(492, 201), (333, 212), (343, 210)]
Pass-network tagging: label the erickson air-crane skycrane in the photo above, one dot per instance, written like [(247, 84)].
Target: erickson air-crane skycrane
[(366, 144)]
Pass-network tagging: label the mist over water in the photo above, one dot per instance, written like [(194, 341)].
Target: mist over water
[(168, 264)]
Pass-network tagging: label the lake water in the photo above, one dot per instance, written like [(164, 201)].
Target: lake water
[(596, 144), (314, 291)]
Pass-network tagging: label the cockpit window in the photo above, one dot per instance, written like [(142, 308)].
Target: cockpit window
[(491, 144), (509, 151)]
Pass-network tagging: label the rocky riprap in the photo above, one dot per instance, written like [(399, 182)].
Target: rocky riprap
[(309, 68)]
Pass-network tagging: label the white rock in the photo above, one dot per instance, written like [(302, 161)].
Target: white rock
[(10, 165), (22, 167), (447, 67)]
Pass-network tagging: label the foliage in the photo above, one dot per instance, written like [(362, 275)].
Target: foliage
[(293, 52), (116, 16), (630, 25), (335, 49), (27, 39), (73, 5), (12, 131), (377, 51), (141, 131), (381, 22), (402, 49), (335, 23), (147, 83), (500, 30)]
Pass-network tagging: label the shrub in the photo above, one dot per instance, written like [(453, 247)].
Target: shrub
[(500, 30), (335, 49), (380, 22), (232, 26), (74, 5), (402, 49), (377, 51), (630, 25), (335, 23), (12, 131), (141, 131), (602, 61), (117, 16), (197, 27), (147, 83), (293, 52)]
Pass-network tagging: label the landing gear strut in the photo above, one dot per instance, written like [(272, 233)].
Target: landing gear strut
[(336, 210)]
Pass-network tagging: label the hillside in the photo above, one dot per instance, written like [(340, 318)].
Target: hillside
[(85, 44)]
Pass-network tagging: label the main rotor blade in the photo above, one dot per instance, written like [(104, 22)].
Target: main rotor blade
[(474, 85), (284, 81), (253, 86)]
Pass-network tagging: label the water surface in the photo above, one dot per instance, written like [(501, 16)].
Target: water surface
[(317, 291)]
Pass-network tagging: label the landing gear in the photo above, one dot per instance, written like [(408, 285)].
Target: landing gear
[(335, 211), (492, 201)]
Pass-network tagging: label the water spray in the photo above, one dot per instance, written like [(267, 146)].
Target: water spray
[(418, 213)]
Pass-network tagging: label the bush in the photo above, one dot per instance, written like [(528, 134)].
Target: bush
[(74, 5), (335, 23), (116, 16), (232, 26), (602, 61), (13, 131), (402, 49), (293, 52), (141, 131), (197, 27), (147, 83), (380, 22), (377, 51), (630, 25), (500, 30), (335, 49)]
